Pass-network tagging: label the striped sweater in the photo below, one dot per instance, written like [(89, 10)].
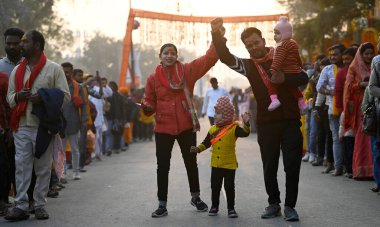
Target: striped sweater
[(286, 58)]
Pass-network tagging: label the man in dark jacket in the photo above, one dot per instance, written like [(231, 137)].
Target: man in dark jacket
[(278, 129), (116, 119)]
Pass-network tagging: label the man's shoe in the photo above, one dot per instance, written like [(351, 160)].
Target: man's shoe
[(41, 213), (160, 212), (76, 176), (375, 189), (63, 179), (290, 214), (82, 170), (213, 211), (317, 162), (52, 193), (232, 213), (271, 211), (199, 204), (337, 172), (109, 153), (311, 157), (329, 168), (60, 185), (306, 157), (16, 214)]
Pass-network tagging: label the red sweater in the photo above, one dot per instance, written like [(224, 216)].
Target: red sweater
[(167, 103), (287, 58)]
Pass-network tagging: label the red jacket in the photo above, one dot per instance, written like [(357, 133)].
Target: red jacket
[(3, 101), (339, 87), (168, 104)]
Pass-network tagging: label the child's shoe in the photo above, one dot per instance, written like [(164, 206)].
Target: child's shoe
[(275, 103), (213, 211)]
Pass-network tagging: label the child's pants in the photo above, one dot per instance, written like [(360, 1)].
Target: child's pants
[(217, 176)]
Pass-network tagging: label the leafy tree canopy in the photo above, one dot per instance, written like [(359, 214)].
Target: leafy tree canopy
[(313, 20), (38, 15)]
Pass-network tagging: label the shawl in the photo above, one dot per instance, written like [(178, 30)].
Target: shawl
[(19, 84), (357, 72)]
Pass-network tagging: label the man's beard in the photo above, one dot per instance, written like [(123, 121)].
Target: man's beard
[(12, 53)]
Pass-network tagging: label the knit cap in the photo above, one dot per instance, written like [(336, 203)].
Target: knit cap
[(285, 28), (225, 107)]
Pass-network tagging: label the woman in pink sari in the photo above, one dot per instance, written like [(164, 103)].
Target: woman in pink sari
[(356, 82)]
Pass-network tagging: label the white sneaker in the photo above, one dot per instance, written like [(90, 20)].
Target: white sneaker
[(306, 157), (311, 157), (76, 176)]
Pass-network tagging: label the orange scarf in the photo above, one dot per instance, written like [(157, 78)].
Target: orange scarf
[(20, 108), (220, 133)]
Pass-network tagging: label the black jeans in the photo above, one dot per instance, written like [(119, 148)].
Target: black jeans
[(217, 176), (348, 152), (285, 136), (164, 147), (325, 141), (82, 146)]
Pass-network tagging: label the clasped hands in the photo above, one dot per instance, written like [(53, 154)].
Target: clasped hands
[(25, 95)]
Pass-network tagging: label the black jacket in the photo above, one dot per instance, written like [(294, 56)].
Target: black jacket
[(49, 111)]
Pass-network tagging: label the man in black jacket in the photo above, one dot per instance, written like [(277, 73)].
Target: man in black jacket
[(278, 129)]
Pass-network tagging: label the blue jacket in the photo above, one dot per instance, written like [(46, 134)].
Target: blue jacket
[(49, 111)]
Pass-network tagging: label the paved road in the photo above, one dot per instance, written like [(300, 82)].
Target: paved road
[(121, 191)]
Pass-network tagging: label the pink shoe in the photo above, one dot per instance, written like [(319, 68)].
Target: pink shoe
[(274, 104)]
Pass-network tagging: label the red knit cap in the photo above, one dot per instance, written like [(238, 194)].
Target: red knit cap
[(224, 107), (285, 28)]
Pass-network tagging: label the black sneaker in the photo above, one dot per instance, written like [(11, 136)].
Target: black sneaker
[(199, 204), (40, 213), (232, 213), (52, 193), (271, 211), (160, 212), (290, 214), (213, 211), (16, 214)]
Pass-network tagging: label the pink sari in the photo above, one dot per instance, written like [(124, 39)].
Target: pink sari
[(362, 167)]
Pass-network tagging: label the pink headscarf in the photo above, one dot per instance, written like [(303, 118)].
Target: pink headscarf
[(225, 107)]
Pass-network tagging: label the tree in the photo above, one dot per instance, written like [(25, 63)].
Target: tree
[(101, 53), (39, 15), (314, 20)]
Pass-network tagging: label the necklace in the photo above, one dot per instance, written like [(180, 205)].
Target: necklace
[(168, 75)]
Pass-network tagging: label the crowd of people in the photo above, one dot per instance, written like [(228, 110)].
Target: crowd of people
[(55, 119), (48, 109)]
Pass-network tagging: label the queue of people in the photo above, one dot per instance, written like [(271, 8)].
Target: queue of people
[(36, 130)]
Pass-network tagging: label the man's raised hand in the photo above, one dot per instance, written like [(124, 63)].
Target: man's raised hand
[(216, 24)]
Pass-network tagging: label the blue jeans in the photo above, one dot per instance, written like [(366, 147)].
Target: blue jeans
[(376, 160), (313, 134), (337, 145)]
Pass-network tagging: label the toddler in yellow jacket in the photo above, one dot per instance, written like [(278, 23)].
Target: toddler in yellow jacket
[(222, 137)]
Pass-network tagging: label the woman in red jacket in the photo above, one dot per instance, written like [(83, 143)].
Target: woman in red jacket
[(168, 93)]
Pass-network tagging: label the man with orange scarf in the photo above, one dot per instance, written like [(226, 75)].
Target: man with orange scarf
[(326, 86), (34, 72), (356, 82)]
